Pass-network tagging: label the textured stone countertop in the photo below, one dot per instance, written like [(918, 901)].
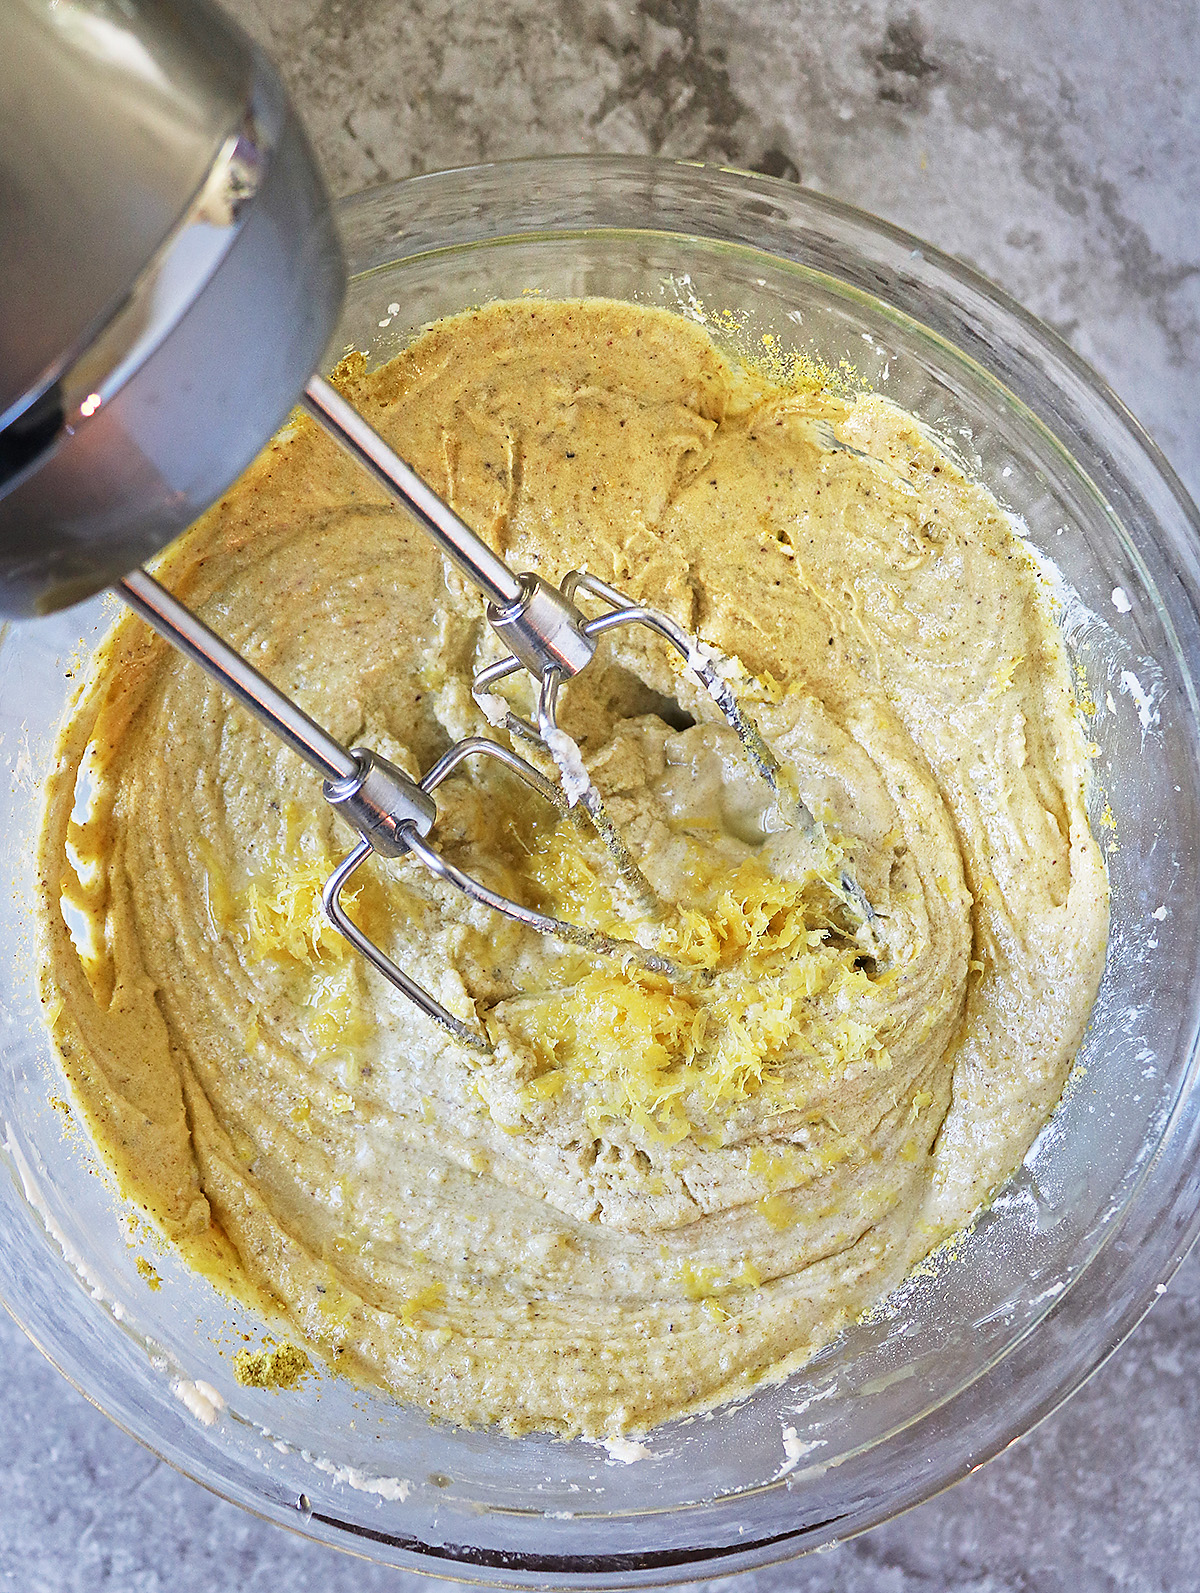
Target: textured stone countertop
[(1056, 147)]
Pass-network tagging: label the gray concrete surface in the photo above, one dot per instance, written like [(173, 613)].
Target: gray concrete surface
[(1055, 144), (1104, 1497)]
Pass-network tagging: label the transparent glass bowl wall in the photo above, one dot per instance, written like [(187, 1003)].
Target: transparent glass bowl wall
[(973, 1352)]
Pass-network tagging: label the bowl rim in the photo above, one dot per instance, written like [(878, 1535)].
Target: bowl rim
[(1156, 1250), (949, 265)]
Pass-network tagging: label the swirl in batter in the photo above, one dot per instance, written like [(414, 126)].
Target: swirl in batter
[(650, 1196)]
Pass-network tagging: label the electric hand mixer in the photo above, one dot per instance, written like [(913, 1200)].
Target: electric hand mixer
[(171, 276)]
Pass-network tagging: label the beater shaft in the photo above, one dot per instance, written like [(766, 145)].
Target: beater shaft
[(187, 632), (391, 812), (543, 628), (452, 535)]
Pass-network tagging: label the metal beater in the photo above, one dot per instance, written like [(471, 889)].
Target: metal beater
[(158, 198), (546, 634)]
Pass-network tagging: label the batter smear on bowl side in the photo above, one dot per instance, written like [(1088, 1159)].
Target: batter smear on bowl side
[(652, 1194)]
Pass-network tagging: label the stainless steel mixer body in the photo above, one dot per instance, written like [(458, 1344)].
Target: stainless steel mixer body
[(170, 273)]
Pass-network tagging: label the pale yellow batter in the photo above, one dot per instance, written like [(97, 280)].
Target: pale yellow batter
[(649, 1197)]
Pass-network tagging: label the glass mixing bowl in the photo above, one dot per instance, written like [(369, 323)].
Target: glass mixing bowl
[(979, 1346)]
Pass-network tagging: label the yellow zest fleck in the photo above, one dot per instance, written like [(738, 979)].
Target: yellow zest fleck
[(338, 1304), (1083, 695), (698, 1283), (427, 1299), (147, 1272), (920, 1101), (280, 1368), (777, 1209), (665, 1059), (545, 1086), (772, 1168), (1002, 679)]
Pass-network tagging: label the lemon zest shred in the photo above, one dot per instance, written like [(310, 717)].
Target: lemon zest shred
[(667, 1060), (777, 1209), (426, 1299)]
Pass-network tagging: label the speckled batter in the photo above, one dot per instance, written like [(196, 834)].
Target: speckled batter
[(648, 1197)]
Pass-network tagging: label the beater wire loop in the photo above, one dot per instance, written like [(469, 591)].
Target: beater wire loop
[(705, 665), (415, 845)]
